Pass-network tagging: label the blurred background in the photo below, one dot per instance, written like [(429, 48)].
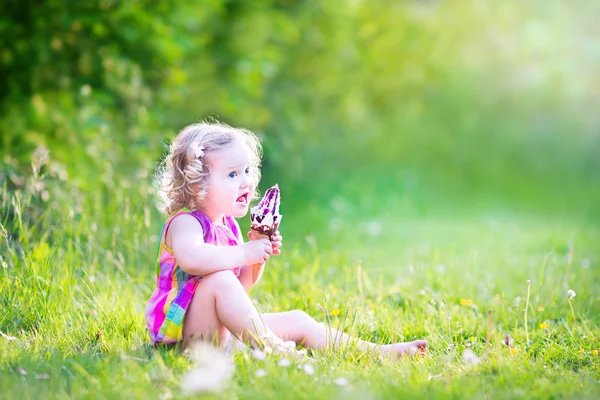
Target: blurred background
[(436, 159), (413, 106)]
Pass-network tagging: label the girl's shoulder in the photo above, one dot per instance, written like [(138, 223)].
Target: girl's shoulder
[(195, 218), (183, 223), (197, 214)]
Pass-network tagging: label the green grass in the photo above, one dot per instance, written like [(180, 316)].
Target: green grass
[(76, 272)]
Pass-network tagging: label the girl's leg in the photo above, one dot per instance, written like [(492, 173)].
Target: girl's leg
[(221, 305), (301, 328)]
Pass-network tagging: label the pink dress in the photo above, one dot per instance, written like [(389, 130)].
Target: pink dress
[(174, 287)]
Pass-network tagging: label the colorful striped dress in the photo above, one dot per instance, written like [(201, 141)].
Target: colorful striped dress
[(174, 287)]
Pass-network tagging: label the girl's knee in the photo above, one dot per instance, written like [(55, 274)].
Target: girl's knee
[(221, 279)]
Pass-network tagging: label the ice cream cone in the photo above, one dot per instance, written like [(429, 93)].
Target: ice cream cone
[(256, 235), (265, 220)]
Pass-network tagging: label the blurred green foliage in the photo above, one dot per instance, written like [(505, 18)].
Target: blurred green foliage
[(460, 95)]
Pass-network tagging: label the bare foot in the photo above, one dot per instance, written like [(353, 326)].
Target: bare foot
[(405, 349)]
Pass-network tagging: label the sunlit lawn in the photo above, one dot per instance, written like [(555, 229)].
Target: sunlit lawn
[(73, 298)]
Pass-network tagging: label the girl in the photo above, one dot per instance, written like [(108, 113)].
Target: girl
[(204, 267)]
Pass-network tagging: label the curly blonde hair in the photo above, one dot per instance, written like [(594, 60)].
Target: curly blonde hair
[(183, 174)]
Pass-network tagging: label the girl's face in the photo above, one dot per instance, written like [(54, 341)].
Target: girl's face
[(229, 182)]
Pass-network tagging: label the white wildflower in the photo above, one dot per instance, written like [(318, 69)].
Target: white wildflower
[(290, 344), (470, 357), (259, 355), (284, 362), (302, 353), (341, 381), (571, 293), (517, 301), (260, 373), (213, 369), (308, 368)]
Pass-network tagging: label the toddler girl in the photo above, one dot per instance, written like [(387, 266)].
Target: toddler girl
[(204, 268)]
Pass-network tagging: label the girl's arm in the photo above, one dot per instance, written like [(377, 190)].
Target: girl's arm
[(198, 258), (246, 273)]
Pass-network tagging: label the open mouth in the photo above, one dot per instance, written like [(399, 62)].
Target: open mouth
[(243, 199)]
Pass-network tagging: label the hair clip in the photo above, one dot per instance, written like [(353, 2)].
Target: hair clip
[(195, 151)]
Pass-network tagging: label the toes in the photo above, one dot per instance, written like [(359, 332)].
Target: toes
[(421, 346), (414, 348)]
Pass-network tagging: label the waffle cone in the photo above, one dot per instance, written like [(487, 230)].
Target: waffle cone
[(256, 235)]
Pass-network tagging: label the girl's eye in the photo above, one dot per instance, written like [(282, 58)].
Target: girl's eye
[(247, 171), (232, 175)]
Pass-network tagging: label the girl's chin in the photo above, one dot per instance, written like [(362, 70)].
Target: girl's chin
[(240, 211)]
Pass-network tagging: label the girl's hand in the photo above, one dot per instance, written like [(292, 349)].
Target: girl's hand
[(276, 240), (257, 251)]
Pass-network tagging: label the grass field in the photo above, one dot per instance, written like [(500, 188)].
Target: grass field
[(75, 277)]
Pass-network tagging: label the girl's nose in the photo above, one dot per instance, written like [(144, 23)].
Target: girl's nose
[(245, 181)]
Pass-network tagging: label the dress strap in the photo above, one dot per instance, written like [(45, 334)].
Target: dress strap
[(210, 234), (235, 229)]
